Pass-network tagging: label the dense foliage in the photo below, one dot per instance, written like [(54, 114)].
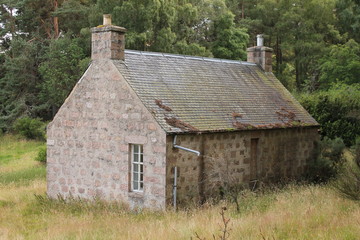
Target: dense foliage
[(328, 162), (45, 47), (30, 128), (337, 110)]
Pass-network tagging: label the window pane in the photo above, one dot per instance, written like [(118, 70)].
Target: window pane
[(141, 168), (141, 158), (136, 148), (136, 185), (141, 186), (136, 167), (141, 176), (136, 157), (135, 176)]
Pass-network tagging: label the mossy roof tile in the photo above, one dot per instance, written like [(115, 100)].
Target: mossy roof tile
[(208, 94)]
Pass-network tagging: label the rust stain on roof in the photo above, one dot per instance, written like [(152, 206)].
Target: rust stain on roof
[(172, 121), (286, 116), (163, 106)]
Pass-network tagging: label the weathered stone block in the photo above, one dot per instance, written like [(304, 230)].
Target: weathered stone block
[(136, 139)]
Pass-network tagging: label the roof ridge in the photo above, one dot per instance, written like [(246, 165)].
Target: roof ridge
[(172, 55)]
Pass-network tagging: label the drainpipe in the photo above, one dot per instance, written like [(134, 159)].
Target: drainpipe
[(184, 148), (175, 186), (175, 168)]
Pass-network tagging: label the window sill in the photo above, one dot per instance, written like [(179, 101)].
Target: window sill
[(136, 194)]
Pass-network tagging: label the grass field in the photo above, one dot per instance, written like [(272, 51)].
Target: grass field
[(296, 212)]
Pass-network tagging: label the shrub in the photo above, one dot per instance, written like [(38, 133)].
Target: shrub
[(30, 128), (336, 110), (356, 150), (348, 182), (328, 162), (332, 149), (41, 156)]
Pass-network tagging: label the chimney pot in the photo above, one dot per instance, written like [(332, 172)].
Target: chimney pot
[(106, 19), (260, 40)]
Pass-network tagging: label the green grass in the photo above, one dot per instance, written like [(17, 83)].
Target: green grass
[(4, 159), (293, 212), (24, 176), (12, 148), (17, 160)]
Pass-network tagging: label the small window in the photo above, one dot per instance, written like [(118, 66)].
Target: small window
[(137, 168)]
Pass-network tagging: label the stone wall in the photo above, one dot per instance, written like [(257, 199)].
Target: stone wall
[(261, 56), (89, 139), (266, 155)]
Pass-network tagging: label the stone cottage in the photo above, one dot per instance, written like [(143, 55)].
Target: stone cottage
[(134, 116)]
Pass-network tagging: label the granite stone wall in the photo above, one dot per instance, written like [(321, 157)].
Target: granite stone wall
[(243, 157), (89, 141)]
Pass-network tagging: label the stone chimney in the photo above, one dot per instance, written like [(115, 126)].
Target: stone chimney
[(260, 55), (108, 41)]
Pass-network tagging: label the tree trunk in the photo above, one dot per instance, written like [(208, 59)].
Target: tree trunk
[(12, 22), (56, 20), (242, 10), (297, 72), (278, 55), (54, 110)]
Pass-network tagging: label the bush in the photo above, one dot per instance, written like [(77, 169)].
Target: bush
[(30, 128), (329, 161), (348, 182), (41, 156), (336, 110), (332, 149), (356, 150)]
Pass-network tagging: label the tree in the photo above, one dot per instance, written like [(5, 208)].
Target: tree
[(348, 14), (304, 26), (35, 20), (64, 62), (18, 92), (337, 110), (72, 16), (7, 22), (299, 31), (230, 41), (148, 23), (243, 9), (341, 65)]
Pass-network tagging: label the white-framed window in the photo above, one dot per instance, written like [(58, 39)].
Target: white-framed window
[(137, 168)]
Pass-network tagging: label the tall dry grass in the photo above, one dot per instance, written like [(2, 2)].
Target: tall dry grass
[(295, 212), (307, 212)]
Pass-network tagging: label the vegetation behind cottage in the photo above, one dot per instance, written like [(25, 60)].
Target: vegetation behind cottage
[(45, 48)]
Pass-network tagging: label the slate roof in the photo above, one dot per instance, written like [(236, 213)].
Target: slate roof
[(196, 94)]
